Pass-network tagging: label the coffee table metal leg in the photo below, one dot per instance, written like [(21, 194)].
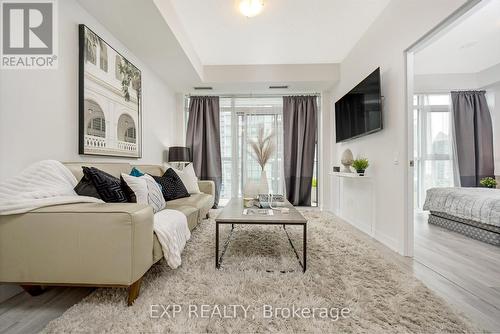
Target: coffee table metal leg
[(217, 245), (304, 250)]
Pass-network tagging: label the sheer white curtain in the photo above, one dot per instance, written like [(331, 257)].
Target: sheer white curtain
[(433, 144)]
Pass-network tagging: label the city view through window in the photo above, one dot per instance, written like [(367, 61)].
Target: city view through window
[(433, 149), (240, 120)]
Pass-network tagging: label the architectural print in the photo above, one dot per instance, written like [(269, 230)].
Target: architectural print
[(110, 100)]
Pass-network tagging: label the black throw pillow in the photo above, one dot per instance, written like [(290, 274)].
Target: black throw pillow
[(171, 185), (108, 187), (86, 188)]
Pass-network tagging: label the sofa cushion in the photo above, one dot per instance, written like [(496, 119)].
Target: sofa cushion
[(112, 168), (171, 185), (198, 201), (191, 214), (109, 187)]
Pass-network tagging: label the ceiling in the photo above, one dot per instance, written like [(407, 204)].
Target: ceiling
[(286, 32), (160, 51), (470, 46)]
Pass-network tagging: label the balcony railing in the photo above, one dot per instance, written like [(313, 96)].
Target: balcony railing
[(95, 142), (126, 146), (100, 143)]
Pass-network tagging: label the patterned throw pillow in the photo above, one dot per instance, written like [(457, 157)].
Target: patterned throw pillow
[(155, 196), (171, 185), (145, 190), (108, 187)]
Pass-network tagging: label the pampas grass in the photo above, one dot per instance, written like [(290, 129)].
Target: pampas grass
[(263, 147)]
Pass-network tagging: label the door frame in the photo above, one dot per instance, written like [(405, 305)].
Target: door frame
[(468, 8)]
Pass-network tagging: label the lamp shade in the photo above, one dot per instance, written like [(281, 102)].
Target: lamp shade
[(179, 154)]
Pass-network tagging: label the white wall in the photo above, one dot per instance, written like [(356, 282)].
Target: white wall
[(39, 108), (400, 25), (444, 83), (493, 98)]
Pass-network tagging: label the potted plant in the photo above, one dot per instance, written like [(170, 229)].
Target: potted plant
[(488, 182), (360, 165)]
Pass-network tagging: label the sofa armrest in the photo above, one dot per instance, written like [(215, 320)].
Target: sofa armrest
[(207, 187), (84, 243)]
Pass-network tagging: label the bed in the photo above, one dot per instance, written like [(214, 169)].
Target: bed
[(474, 212)]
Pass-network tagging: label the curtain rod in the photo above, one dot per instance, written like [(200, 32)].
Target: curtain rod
[(468, 91), (254, 95)]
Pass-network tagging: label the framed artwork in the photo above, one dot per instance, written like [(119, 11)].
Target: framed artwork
[(110, 102)]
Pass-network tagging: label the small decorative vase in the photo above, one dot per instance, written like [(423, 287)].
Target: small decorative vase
[(263, 185), (347, 159), (361, 172)]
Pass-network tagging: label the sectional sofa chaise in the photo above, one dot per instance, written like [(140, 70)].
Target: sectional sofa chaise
[(90, 244)]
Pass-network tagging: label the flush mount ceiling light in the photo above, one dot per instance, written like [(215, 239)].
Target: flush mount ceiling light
[(251, 8)]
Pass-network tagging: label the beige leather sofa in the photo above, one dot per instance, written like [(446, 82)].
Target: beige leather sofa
[(90, 244)]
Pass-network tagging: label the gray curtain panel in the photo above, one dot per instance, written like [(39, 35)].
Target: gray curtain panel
[(299, 132), (203, 138), (473, 136)]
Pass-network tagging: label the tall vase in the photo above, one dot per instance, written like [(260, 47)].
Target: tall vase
[(263, 185)]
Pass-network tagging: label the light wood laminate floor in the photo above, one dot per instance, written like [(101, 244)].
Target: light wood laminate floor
[(469, 271), (463, 271)]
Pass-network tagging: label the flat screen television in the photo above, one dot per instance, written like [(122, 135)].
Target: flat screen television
[(359, 112)]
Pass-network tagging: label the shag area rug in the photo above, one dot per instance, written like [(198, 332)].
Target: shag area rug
[(348, 288)]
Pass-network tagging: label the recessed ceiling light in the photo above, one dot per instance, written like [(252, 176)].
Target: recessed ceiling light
[(251, 8)]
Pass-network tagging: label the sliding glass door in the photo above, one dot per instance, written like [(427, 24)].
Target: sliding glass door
[(243, 117)]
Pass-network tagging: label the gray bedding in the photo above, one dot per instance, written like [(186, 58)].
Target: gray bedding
[(477, 204)]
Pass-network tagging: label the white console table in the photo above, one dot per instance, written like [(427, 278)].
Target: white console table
[(355, 202)]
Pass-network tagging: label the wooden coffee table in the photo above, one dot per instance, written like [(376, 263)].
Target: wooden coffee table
[(233, 214)]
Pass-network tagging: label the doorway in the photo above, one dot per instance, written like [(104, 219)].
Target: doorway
[(447, 61)]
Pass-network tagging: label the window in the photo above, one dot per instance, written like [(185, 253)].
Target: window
[(94, 117), (240, 119), (91, 41), (97, 127), (118, 74), (130, 135), (433, 144), (103, 55)]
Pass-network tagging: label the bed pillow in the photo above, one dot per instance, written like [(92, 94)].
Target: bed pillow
[(108, 187), (146, 191), (171, 185)]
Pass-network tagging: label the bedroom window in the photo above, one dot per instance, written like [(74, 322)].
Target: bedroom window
[(433, 144)]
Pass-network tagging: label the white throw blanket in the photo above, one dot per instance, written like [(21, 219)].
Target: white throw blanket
[(44, 183), (172, 231), (477, 204)]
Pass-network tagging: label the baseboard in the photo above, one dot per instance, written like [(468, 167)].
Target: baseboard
[(381, 237), (388, 241), (7, 291)]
